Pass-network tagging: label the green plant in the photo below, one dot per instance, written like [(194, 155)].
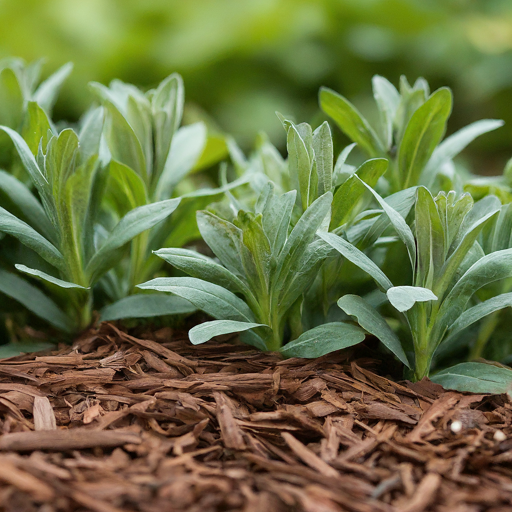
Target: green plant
[(151, 156), (269, 264), (448, 268), (61, 226), (410, 132)]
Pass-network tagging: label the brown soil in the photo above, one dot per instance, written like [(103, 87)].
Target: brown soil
[(150, 423)]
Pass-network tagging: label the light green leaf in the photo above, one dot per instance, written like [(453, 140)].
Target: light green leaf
[(127, 186), (47, 277), (323, 147), (402, 229), (214, 300), (350, 121), (47, 92), (132, 224), (11, 99), (351, 190), (388, 99), (324, 339), (358, 258), (455, 143), (403, 298), (34, 300), (299, 163), (423, 133), (31, 238), (372, 322), (186, 149), (146, 306), (207, 330), (475, 378)]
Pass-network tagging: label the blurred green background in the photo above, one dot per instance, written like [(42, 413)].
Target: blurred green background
[(242, 60)]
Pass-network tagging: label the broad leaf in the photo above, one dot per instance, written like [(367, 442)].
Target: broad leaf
[(403, 298), (388, 99), (324, 339), (322, 145), (207, 330), (475, 378), (214, 300), (423, 133), (146, 306), (350, 121)]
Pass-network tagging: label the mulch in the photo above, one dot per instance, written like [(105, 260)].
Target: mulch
[(146, 422)]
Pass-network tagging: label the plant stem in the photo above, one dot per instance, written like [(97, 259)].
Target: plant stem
[(488, 326)]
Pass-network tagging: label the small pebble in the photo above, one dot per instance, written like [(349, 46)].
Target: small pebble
[(456, 427), (499, 436)]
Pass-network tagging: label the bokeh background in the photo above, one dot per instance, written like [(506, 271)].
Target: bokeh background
[(243, 60)]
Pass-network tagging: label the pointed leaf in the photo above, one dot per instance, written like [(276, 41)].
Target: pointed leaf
[(207, 330), (47, 92), (47, 277), (372, 322), (324, 339)]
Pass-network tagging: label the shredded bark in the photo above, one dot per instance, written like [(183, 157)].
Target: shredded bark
[(144, 421)]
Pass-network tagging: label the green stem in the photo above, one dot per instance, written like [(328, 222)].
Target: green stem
[(421, 335), (484, 334)]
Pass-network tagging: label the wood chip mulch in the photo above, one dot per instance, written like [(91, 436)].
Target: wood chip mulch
[(128, 423)]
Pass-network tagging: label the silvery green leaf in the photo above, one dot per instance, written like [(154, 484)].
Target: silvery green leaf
[(223, 238), (347, 194), (146, 306), (476, 313), (276, 219), (372, 322), (424, 131), (207, 330), (214, 300), (323, 147), (339, 176), (122, 141), (31, 238), (37, 128), (324, 339), (48, 278), (388, 99), (47, 92), (455, 143), (27, 158), (350, 121), (132, 224), (398, 222), (34, 300), (475, 378), (202, 267), (127, 187), (358, 258), (490, 268), (403, 298), (299, 163), (186, 148), (11, 99), (27, 204), (430, 239), (301, 236), (90, 133)]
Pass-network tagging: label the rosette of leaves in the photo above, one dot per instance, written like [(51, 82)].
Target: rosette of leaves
[(151, 156), (20, 84), (264, 267), (448, 268), (412, 123), (59, 223)]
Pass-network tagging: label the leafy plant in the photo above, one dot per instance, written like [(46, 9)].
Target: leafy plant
[(266, 262), (410, 132), (448, 268), (60, 225), (151, 156)]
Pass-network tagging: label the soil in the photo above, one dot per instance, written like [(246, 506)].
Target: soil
[(146, 422)]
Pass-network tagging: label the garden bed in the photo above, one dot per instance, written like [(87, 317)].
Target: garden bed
[(147, 422)]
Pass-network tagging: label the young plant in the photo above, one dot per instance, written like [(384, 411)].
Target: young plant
[(60, 225), (448, 268), (270, 265), (151, 156), (411, 128)]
